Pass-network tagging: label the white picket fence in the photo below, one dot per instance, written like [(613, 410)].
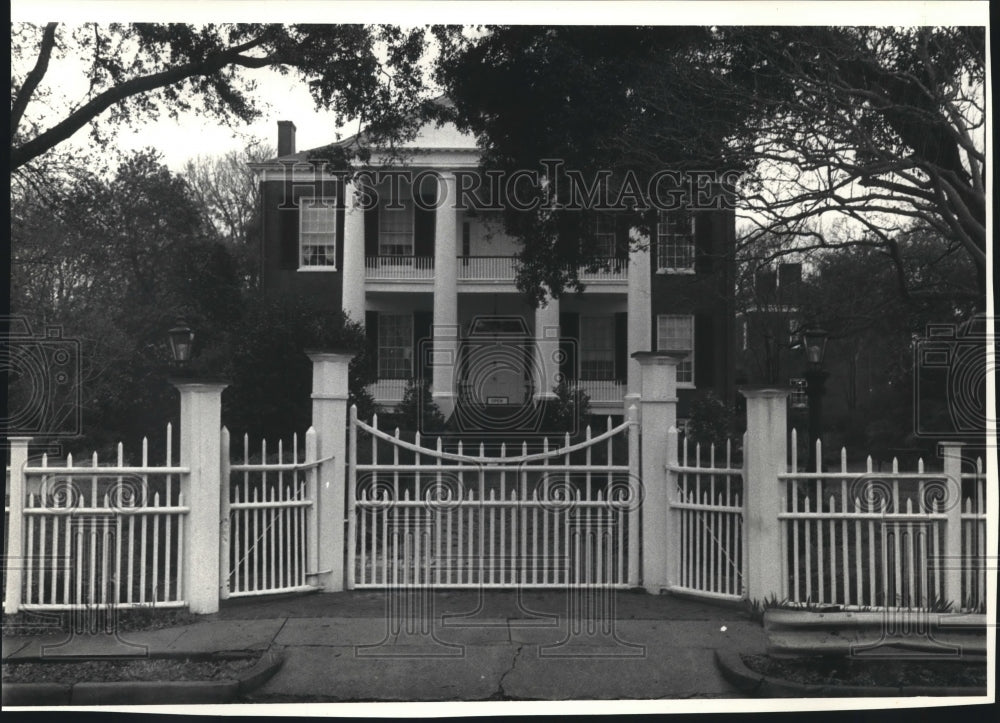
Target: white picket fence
[(862, 538), (107, 536), (707, 510), (561, 517), (269, 518)]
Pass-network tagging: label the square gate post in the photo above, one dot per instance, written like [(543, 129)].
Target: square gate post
[(766, 456), (329, 419), (15, 522), (658, 416), (201, 452)]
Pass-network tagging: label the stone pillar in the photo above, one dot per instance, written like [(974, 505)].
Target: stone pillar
[(201, 452), (658, 416), (329, 419), (545, 370), (640, 330), (765, 457), (354, 256), (15, 523), (445, 332)]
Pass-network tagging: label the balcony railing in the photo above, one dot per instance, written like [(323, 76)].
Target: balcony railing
[(603, 390), (388, 390), (610, 269), (402, 268), (503, 268), (486, 268)]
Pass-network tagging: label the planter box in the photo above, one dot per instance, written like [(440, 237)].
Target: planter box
[(885, 634)]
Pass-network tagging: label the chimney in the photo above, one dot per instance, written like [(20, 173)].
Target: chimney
[(789, 280), (286, 138)]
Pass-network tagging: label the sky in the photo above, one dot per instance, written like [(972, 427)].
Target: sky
[(287, 98)]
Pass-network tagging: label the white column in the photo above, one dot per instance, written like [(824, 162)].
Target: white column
[(953, 562), (329, 419), (354, 256), (765, 458), (640, 330), (15, 523), (201, 453), (658, 371), (545, 370), (445, 331)]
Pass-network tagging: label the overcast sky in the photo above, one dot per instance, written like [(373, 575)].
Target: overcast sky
[(287, 98)]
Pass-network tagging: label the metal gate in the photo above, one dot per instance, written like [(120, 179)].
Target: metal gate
[(561, 516)]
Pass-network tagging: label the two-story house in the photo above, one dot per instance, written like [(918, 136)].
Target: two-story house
[(433, 283)]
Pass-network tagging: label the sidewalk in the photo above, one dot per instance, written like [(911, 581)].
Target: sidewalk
[(454, 645)]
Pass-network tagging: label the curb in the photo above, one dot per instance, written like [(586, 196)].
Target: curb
[(152, 692), (759, 685)]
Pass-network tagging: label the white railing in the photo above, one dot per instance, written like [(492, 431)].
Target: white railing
[(602, 390), (399, 268), (612, 269), (486, 268), (103, 536), (269, 540), (504, 268), (388, 391), (706, 507), (862, 538), (560, 517)]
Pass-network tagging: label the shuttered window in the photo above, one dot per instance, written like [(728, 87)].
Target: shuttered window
[(675, 242), (317, 233), (675, 332), (597, 347), (395, 346)]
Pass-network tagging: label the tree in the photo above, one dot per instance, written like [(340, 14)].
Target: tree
[(883, 126), (114, 261), (141, 70), (229, 192)]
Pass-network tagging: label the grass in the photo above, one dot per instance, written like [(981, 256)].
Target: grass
[(892, 673), (145, 669), (96, 620)]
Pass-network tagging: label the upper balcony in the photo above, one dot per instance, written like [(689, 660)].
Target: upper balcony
[(480, 271)]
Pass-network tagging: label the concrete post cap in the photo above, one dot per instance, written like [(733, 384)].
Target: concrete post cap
[(203, 383), (340, 354), (765, 392)]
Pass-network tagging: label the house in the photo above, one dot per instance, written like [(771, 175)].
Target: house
[(424, 272)]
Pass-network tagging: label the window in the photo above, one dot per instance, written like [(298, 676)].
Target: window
[(675, 242), (799, 399), (676, 333), (604, 235), (395, 346), (318, 233), (597, 347), (395, 228)]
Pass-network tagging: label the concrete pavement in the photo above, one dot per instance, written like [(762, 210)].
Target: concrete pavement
[(454, 645)]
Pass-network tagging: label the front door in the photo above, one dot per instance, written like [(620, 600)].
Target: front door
[(496, 361)]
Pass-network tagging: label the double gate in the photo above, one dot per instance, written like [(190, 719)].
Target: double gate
[(547, 516)]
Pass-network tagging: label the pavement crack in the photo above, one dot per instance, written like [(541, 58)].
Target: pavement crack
[(501, 693)]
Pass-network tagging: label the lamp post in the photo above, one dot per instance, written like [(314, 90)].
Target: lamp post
[(181, 341), (814, 346)]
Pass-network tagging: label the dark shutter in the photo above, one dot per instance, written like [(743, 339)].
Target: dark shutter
[(423, 229), (703, 231), (371, 338), (622, 225), (704, 350), (371, 232), (569, 332), (621, 346), (288, 219), (422, 321)]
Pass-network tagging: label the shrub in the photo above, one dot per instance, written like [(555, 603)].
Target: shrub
[(710, 420)]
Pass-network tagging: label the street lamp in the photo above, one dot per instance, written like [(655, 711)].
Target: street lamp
[(814, 347), (181, 340)]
